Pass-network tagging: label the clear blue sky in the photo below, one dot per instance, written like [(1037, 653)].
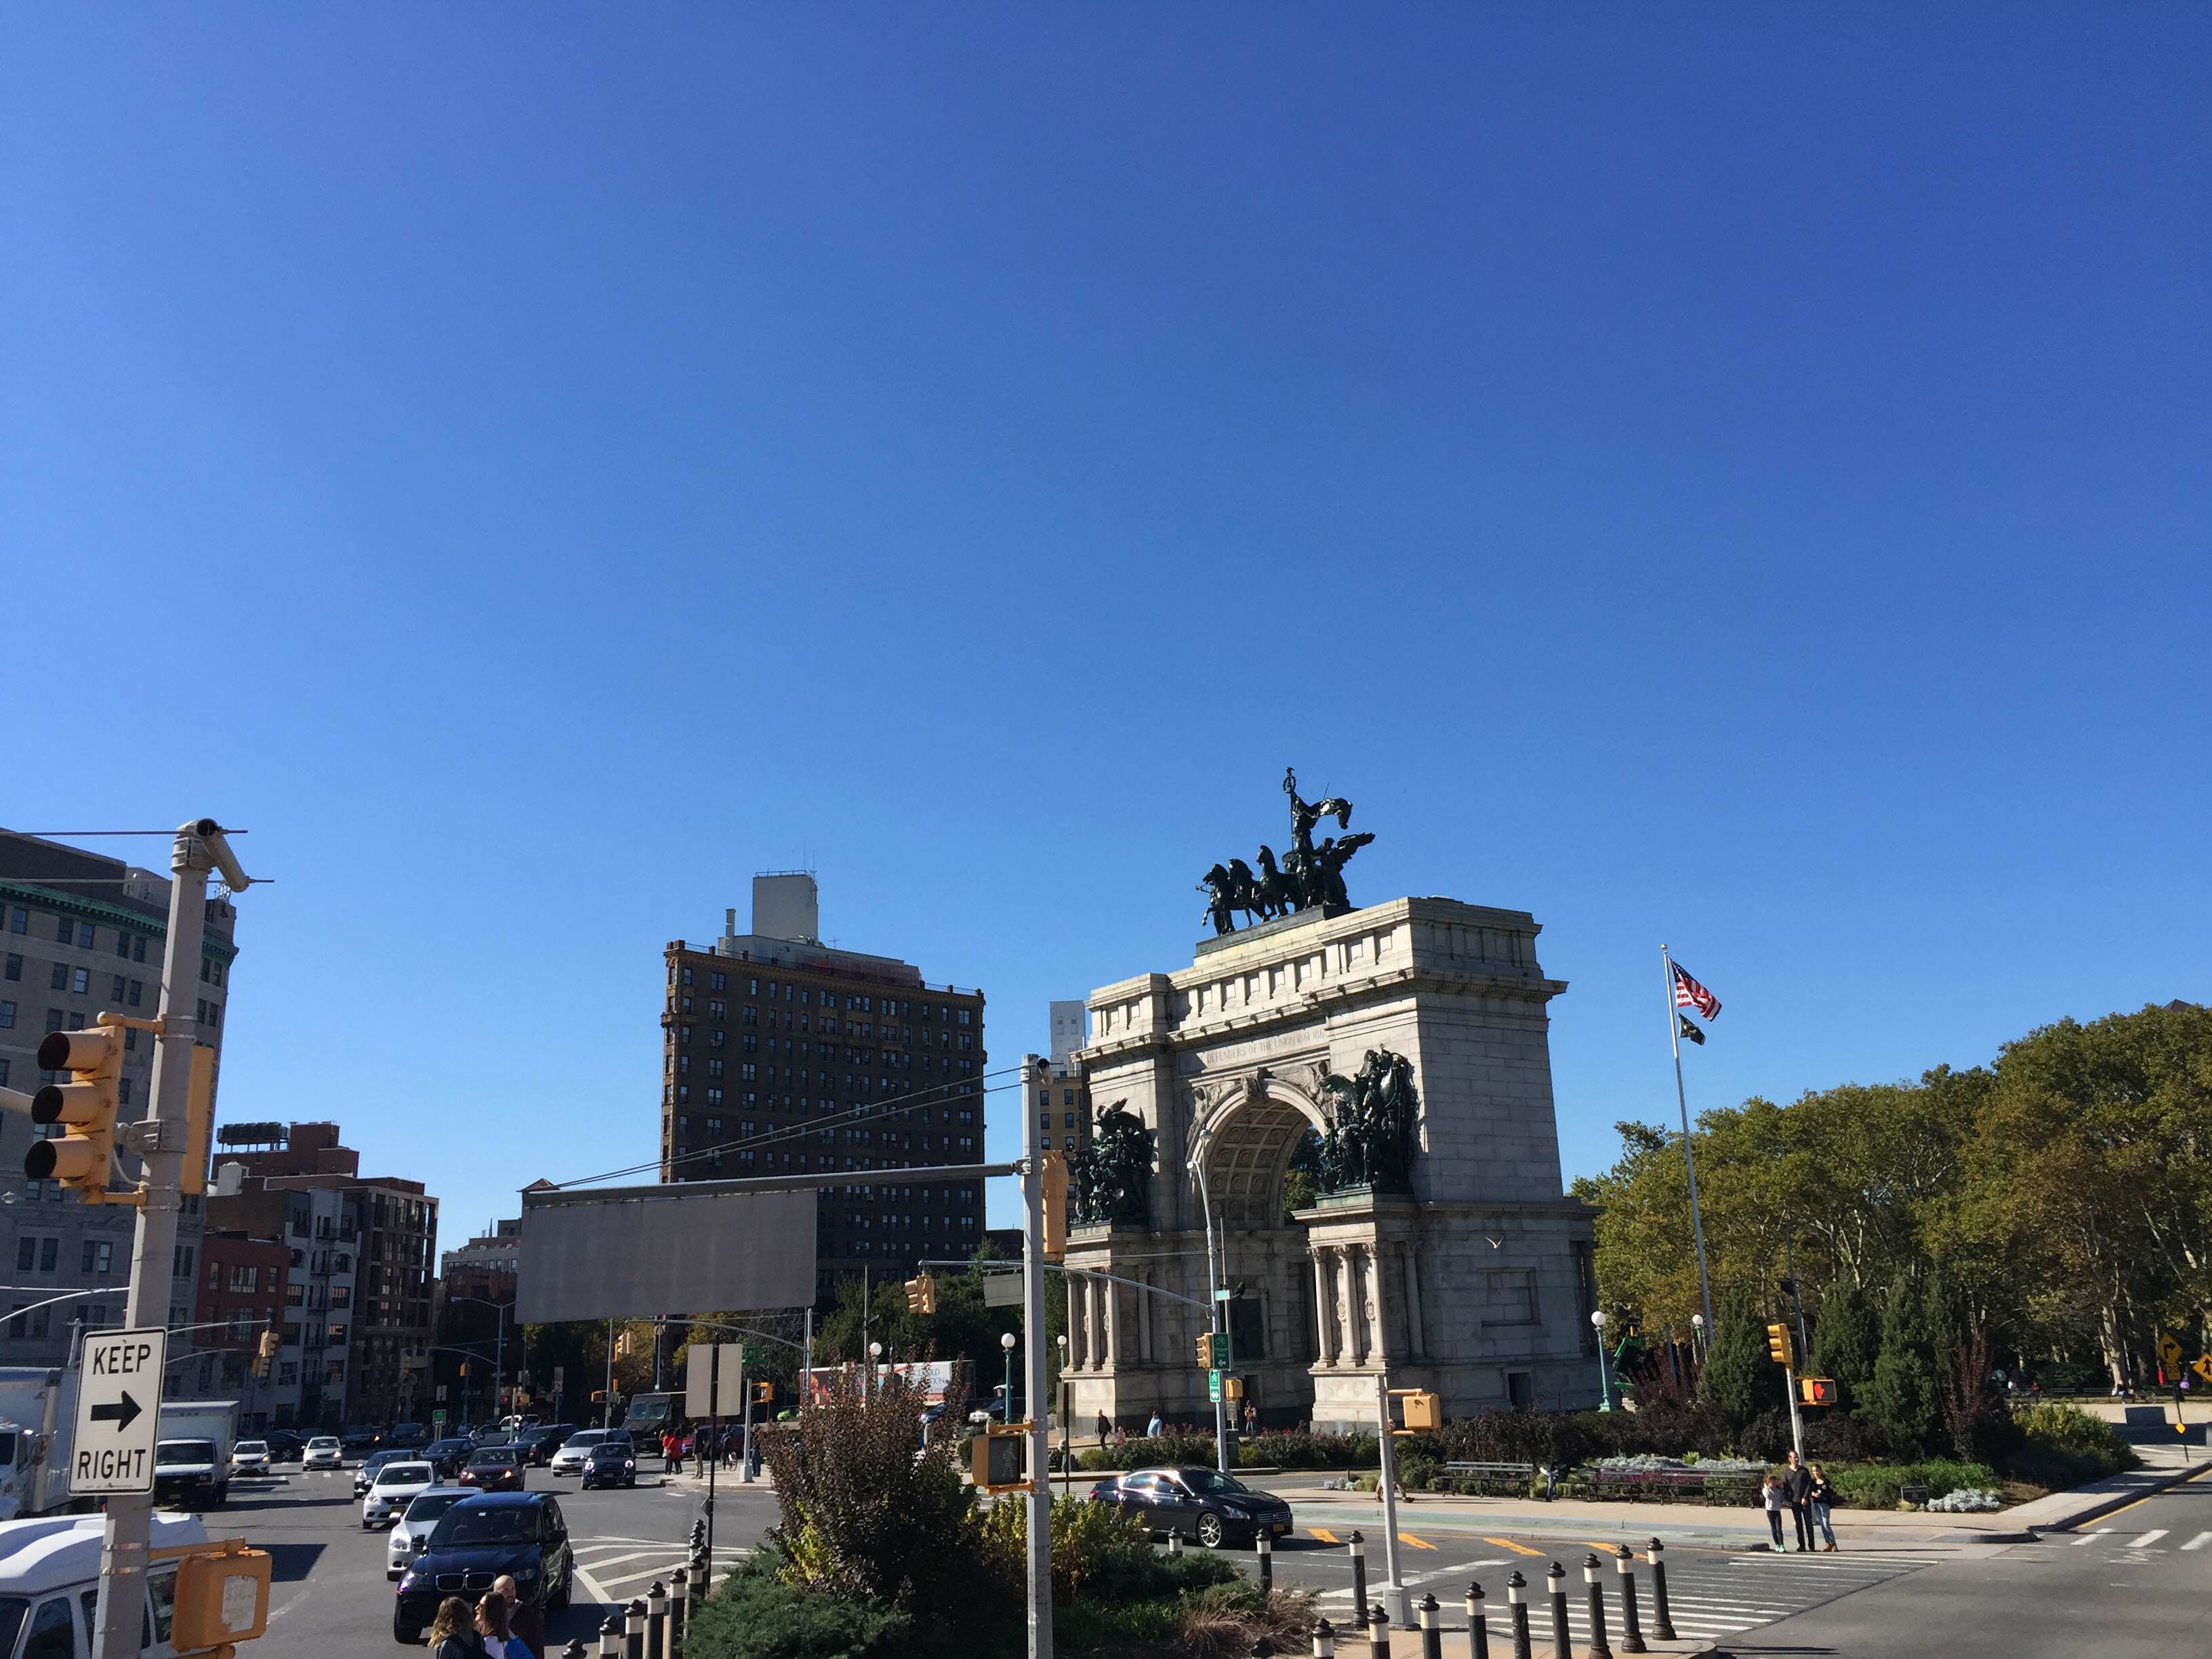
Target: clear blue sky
[(1729, 474)]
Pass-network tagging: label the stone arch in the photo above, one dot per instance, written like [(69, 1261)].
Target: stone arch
[(1247, 1135)]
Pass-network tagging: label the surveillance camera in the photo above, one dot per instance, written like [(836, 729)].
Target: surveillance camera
[(225, 861)]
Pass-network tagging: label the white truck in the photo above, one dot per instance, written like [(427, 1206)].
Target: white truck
[(192, 1454), (38, 1415)]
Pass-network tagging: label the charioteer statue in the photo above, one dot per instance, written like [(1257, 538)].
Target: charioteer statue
[(1310, 878)]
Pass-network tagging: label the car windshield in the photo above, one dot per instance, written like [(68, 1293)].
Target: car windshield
[(503, 1524), (253, 1445), (322, 1443), (1211, 1481), (430, 1505), (403, 1475), (185, 1451), (494, 1455), (586, 1441)]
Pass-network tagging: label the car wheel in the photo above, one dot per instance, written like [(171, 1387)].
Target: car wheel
[(1211, 1531)]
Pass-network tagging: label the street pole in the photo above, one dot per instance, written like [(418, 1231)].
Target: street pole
[(1039, 1586), (1213, 1297), (1689, 1163), (607, 1418), (1394, 1589), (198, 848)]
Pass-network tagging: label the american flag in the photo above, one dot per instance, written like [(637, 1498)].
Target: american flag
[(1688, 994)]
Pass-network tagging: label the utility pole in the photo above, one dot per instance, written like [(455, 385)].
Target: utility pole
[(199, 848), (1039, 1501)]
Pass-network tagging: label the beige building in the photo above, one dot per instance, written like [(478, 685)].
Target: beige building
[(784, 1056)]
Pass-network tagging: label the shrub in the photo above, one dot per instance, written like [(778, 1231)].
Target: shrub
[(1544, 1439), (1143, 1453), (1879, 1485), (1298, 1448), (2062, 1446), (1096, 1549), (754, 1614), (1836, 1436)]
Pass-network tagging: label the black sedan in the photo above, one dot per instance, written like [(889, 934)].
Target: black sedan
[(612, 1462), (1190, 1501), (449, 1455), (493, 1468)]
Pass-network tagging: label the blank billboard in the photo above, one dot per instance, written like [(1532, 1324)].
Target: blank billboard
[(636, 1252)]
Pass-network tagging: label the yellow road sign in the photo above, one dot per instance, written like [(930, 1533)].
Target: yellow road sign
[(2202, 1366), (2170, 1351)]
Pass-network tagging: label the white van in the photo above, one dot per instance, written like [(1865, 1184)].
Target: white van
[(49, 1585)]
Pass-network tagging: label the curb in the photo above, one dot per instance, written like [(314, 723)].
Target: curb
[(2110, 1501)]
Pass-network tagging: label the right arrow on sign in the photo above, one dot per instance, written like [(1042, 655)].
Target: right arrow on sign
[(123, 1413)]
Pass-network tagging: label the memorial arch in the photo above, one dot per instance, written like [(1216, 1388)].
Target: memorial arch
[(1466, 1271)]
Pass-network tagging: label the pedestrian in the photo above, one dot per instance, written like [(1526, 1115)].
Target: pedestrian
[(1771, 1495), (1153, 1425), (1105, 1427), (702, 1440), (1251, 1418), (1824, 1500), (1797, 1493), (492, 1627), (452, 1636), (525, 1619), (671, 1453)]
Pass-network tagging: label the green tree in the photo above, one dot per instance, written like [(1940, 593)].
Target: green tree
[(1846, 1337), (1904, 1400), (1739, 1380)]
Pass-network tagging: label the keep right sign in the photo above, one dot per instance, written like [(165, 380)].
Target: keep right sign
[(119, 1411)]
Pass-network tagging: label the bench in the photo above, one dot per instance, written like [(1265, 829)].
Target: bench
[(1516, 1475)]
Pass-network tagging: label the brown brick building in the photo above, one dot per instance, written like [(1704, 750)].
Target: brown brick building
[(782, 1054), (242, 1281)]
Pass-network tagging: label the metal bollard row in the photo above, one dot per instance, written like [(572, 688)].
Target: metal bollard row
[(1662, 1625), (1594, 1576), (1378, 1632), (1477, 1625)]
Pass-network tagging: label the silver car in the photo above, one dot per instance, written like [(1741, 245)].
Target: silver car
[(323, 1452), (569, 1460), (397, 1485), (422, 1514)]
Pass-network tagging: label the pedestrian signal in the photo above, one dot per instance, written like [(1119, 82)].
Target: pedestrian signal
[(1779, 1347), (1817, 1390), (764, 1394), (84, 1107), (922, 1295)]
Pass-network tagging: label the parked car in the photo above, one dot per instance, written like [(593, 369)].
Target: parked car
[(395, 1486), (493, 1468), (369, 1465), (422, 1514), (323, 1452), (547, 1440), (250, 1457), (1188, 1502), (359, 1441), (285, 1445), (569, 1460), (612, 1462), (408, 1436), (449, 1455), (521, 1534)]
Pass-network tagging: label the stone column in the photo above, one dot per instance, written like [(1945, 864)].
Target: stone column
[(1326, 1349), (1347, 1308), (1417, 1343), (1378, 1342), (1144, 1300), (1091, 1347), (1110, 1297)]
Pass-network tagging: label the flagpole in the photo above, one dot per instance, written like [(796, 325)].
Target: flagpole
[(1689, 1163)]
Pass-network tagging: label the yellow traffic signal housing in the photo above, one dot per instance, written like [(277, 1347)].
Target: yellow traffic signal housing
[(267, 1356), (1424, 1410), (1054, 1179), (1817, 1390), (922, 1295), (1779, 1346), (1206, 1351), (1232, 1388), (199, 1119), (764, 1394), (84, 1107)]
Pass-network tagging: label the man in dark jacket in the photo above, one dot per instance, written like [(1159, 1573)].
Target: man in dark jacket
[(1797, 1494), (526, 1620)]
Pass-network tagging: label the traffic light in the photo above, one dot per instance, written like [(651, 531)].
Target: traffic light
[(1424, 1410), (1778, 1347), (199, 1119), (84, 1107), (1206, 1351), (267, 1356), (922, 1295), (764, 1394), (1817, 1390), (1054, 1182)]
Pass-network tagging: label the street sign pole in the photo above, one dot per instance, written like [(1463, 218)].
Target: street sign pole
[(1039, 1501), (122, 1606)]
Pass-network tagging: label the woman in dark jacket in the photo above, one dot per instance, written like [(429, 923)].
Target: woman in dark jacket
[(454, 1632)]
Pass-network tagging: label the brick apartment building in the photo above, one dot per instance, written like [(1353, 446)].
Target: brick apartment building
[(242, 1282)]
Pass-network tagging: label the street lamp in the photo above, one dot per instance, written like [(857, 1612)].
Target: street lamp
[(1604, 1375), (1066, 1419), (1006, 1399), (1197, 1167), (875, 1353), (1697, 1337)]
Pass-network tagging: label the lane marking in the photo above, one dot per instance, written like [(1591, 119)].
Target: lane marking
[(2160, 1491), (2199, 1542), (1508, 1544), (1418, 1543), (2149, 1539), (1324, 1534)]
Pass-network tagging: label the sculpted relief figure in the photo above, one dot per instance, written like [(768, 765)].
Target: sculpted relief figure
[(1110, 1179), (1372, 1132)]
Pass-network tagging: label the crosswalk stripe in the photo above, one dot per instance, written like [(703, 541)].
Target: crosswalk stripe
[(1418, 1543), (2149, 1539), (2199, 1542), (2091, 1537), (1508, 1544)]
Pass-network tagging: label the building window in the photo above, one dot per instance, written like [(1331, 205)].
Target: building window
[(84, 934), (58, 980), (19, 919), (15, 967), (1070, 1120), (7, 1014), (137, 989), (50, 1250), (718, 982), (138, 948), (98, 1257)]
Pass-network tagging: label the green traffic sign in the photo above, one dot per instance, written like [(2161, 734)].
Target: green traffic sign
[(439, 1415), (1213, 1386)]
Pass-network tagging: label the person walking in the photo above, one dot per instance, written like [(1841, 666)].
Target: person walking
[(1797, 1494), (1153, 1425), (452, 1636), (671, 1453), (1824, 1500), (1105, 1427), (1771, 1495)]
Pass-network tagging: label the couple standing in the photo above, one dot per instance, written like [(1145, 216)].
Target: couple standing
[(1805, 1492)]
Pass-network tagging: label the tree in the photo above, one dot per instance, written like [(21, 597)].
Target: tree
[(1903, 1401), (1739, 1380), (1846, 1337)]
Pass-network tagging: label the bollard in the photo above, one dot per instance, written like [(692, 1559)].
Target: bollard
[(1174, 1543), (1432, 1633), (1477, 1627), (1593, 1574), (633, 1631), (1324, 1640), (1631, 1633), (1562, 1645), (575, 1649), (656, 1621), (679, 1609), (611, 1638), (1378, 1632), (1265, 1544), (1358, 1545), (1663, 1626), (1517, 1598)]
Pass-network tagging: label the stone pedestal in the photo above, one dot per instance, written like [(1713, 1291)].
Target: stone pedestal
[(1476, 1282)]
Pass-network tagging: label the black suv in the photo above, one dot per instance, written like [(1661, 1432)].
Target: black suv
[(521, 1534)]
